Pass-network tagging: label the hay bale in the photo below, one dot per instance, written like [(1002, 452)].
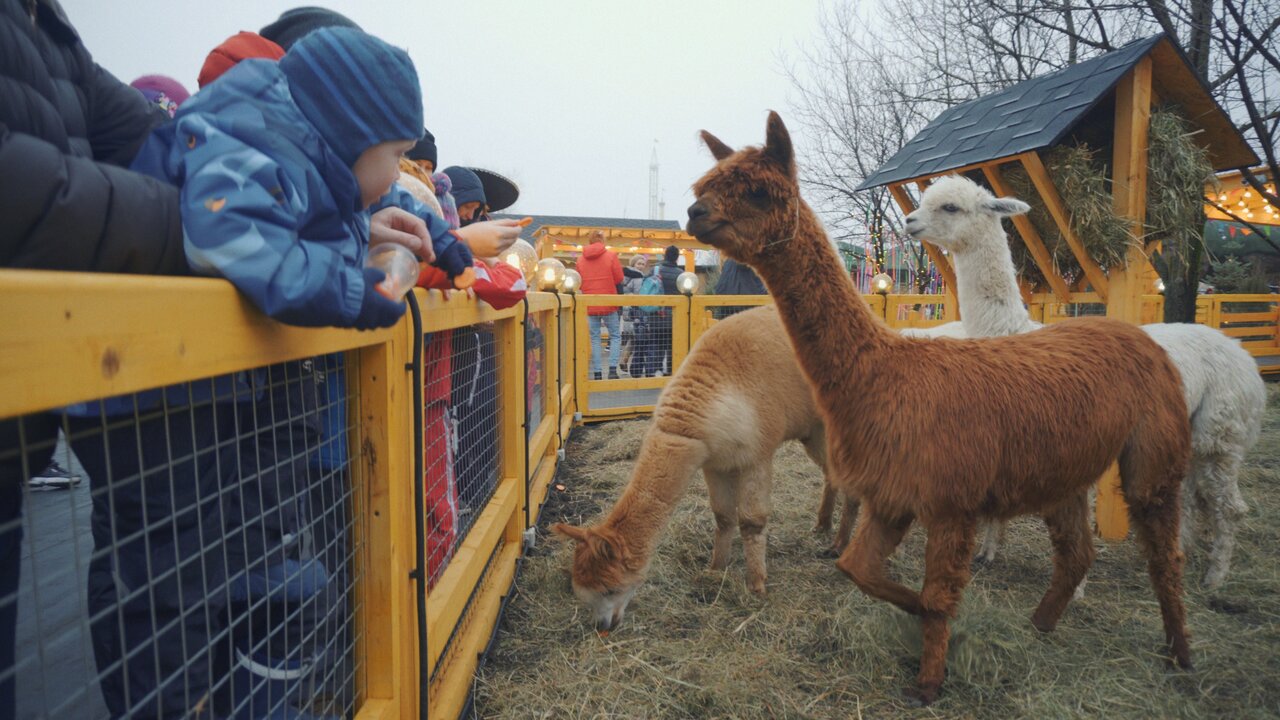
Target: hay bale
[(1176, 176), (1081, 180), (1177, 169)]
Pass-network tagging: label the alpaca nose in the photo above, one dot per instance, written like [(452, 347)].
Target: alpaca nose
[(697, 210)]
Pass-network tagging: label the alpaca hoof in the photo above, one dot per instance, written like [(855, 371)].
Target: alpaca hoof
[(830, 552), (1044, 625), (921, 696), (1214, 578), (757, 588), (1181, 657), (979, 562), (822, 528)]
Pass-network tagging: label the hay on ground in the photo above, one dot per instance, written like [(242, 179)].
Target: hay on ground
[(696, 644)]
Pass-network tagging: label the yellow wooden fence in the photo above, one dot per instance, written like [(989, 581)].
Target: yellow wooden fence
[(71, 337), (68, 337)]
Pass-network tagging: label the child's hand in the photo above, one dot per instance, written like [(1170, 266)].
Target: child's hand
[(402, 228), (490, 238), (376, 311), (456, 260)]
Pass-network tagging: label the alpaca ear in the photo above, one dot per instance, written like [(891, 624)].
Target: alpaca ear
[(777, 144), (602, 547), (570, 531), (718, 149), (1007, 206)]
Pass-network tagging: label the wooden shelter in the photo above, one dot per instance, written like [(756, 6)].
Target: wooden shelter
[(1107, 101), (1229, 191), (564, 237)]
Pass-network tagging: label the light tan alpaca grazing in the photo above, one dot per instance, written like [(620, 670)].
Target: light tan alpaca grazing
[(734, 400), (950, 432)]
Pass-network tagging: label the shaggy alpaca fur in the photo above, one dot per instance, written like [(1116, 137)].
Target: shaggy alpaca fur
[(1224, 393), (734, 400), (1040, 417)]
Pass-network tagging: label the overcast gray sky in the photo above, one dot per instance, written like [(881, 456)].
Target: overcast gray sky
[(564, 96)]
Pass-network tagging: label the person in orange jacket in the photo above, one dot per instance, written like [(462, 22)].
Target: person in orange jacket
[(602, 275)]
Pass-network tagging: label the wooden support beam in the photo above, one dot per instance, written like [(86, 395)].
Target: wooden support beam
[(1031, 239), (939, 260), (1129, 186), (956, 171), (1053, 202), (1129, 197)]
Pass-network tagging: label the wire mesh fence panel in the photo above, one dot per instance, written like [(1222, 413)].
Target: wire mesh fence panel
[(567, 342), (646, 341), (461, 449), (915, 312), (1056, 312), (190, 554), (535, 349)]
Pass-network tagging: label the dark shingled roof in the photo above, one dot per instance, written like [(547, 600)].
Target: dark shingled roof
[(540, 221), (1040, 112)]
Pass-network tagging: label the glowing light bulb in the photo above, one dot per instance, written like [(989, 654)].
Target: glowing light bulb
[(549, 273), (571, 281), (882, 283), (522, 255), (687, 282)]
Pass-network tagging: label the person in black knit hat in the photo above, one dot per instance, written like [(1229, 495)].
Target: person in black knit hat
[(425, 151), (295, 24)]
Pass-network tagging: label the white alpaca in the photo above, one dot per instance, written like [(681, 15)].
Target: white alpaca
[(1224, 392)]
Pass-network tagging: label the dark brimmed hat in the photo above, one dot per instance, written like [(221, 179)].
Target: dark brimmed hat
[(500, 191)]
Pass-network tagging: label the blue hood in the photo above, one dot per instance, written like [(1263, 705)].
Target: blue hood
[(252, 103), (466, 185)]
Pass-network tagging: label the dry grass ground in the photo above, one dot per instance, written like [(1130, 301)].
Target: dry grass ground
[(695, 643)]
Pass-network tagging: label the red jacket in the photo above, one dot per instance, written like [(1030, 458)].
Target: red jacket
[(501, 285), (601, 275)]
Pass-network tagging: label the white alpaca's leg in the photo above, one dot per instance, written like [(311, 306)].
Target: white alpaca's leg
[(1191, 502), (754, 504), (1226, 508), (992, 534), (722, 490)]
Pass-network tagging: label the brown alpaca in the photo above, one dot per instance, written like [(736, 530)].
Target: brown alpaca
[(948, 432), (734, 400)]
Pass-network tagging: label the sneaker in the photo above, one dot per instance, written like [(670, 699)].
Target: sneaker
[(613, 373), (596, 375), (54, 477), (290, 580)]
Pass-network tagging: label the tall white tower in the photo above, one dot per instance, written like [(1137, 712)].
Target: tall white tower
[(655, 211)]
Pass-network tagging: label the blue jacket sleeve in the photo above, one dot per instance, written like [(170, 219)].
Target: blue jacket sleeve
[(240, 218), (441, 238)]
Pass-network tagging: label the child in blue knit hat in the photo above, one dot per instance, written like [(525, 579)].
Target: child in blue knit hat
[(281, 166)]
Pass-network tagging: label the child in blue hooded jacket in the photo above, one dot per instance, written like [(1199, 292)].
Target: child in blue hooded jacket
[(280, 166)]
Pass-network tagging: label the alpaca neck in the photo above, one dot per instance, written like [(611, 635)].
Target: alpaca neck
[(990, 304), (830, 326), (661, 475)]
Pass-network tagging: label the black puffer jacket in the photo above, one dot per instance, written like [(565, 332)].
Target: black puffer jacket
[(68, 129), (669, 271)]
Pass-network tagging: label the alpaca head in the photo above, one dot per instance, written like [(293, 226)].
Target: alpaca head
[(748, 205), (960, 215), (604, 576)]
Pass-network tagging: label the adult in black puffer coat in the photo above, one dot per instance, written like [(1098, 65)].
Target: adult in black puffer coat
[(68, 129)]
